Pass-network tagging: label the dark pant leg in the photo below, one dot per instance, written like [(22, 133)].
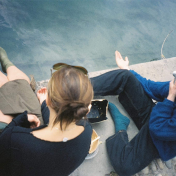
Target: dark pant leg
[(135, 101), (131, 94), (110, 83), (129, 158)]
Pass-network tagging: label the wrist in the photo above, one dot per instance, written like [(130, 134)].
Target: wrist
[(171, 97), (125, 68)]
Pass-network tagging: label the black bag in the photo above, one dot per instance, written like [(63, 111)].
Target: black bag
[(98, 111)]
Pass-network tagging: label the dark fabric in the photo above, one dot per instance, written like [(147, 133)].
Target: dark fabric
[(135, 101), (45, 112), (126, 157), (163, 129), (22, 154), (162, 122), (17, 96), (110, 83), (156, 90), (2, 126)]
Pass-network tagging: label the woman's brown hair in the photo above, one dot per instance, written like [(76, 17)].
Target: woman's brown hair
[(69, 93)]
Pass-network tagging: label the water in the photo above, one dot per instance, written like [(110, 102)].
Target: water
[(39, 33)]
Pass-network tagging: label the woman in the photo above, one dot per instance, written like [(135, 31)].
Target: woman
[(16, 95), (60, 146), (156, 123)]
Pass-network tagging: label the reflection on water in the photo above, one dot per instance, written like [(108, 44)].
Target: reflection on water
[(37, 34)]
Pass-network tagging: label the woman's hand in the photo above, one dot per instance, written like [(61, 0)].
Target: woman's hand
[(122, 64), (42, 94), (33, 120), (172, 91)]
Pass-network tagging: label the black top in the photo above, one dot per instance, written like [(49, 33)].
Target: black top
[(22, 154)]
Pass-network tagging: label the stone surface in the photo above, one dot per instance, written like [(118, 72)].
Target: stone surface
[(100, 165)]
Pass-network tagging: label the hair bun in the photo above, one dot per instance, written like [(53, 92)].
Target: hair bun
[(79, 108)]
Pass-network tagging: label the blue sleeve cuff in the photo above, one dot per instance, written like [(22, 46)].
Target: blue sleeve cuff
[(169, 102)]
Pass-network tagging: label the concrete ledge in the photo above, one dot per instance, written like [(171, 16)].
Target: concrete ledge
[(160, 70)]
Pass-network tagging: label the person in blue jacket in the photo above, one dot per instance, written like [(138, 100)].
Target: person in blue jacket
[(156, 122)]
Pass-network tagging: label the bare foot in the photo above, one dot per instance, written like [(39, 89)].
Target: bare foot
[(42, 94), (122, 64)]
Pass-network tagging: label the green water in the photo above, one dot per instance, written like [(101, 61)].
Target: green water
[(38, 33)]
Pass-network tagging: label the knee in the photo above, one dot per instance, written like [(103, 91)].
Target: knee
[(128, 73), (3, 81), (121, 74), (124, 73)]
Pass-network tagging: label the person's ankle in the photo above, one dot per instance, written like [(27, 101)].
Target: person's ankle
[(4, 60), (121, 122)]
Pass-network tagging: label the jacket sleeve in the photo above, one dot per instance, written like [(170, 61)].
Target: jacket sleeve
[(162, 122), (5, 139), (156, 90)]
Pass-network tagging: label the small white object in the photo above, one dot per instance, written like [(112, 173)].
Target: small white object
[(95, 139), (174, 74), (65, 139)]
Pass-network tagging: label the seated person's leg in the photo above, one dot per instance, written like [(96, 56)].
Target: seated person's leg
[(121, 122), (8, 67), (135, 101), (5, 63), (128, 158), (133, 98), (16, 93), (110, 83), (14, 73), (4, 120), (3, 79), (131, 94)]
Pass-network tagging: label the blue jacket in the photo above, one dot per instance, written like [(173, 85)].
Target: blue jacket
[(162, 122)]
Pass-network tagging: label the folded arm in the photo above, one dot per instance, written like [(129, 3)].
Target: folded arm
[(163, 117), (5, 137), (156, 90), (162, 123)]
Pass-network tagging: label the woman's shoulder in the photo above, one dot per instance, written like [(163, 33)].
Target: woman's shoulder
[(87, 133), (18, 129)]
